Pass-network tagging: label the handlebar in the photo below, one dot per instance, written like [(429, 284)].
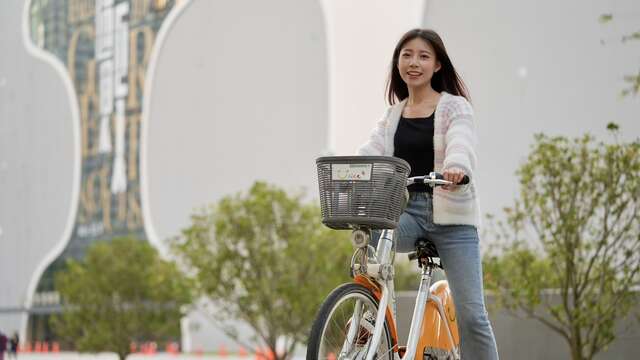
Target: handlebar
[(434, 179)]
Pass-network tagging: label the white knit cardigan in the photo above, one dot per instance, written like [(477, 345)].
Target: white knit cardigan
[(454, 143)]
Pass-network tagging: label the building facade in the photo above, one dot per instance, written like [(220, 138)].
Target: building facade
[(119, 117)]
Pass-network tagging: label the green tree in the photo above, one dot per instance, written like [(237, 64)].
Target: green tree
[(264, 258), (571, 243), (122, 291), (406, 275)]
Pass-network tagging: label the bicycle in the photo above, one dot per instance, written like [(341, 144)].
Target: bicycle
[(364, 193)]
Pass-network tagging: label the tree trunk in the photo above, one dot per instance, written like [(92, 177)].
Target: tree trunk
[(576, 352)]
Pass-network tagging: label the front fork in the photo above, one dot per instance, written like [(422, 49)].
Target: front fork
[(383, 270), (354, 330)]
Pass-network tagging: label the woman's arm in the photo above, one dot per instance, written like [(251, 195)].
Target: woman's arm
[(375, 144), (460, 140)]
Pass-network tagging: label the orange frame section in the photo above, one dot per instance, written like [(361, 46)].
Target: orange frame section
[(434, 332)]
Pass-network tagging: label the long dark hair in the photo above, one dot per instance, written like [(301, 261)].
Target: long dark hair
[(446, 79)]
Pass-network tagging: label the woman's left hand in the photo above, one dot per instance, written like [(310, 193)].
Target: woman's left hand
[(454, 175)]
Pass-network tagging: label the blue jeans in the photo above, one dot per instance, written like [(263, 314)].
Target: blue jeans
[(458, 246)]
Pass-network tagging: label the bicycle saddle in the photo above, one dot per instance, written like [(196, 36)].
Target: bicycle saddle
[(424, 249)]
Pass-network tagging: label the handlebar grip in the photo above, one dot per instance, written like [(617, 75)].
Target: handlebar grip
[(465, 179), (428, 179)]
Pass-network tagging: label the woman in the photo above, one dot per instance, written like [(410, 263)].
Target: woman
[(430, 125)]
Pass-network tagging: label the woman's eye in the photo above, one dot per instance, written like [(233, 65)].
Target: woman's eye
[(424, 57), (405, 55)]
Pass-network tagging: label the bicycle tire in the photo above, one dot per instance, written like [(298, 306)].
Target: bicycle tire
[(320, 347)]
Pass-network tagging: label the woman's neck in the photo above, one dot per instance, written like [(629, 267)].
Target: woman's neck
[(421, 95)]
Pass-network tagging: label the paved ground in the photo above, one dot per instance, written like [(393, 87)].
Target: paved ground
[(109, 356)]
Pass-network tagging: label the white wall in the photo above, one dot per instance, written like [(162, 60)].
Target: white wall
[(572, 82), (361, 36), (239, 93)]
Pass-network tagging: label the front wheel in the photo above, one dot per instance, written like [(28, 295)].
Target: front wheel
[(344, 326)]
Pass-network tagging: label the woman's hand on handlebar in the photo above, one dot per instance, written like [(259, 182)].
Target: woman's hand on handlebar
[(437, 179), (454, 175)]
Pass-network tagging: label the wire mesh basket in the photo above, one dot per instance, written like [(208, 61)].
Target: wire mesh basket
[(362, 191)]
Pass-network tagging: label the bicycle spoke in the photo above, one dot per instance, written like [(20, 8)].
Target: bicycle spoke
[(348, 329), (337, 331), (387, 353)]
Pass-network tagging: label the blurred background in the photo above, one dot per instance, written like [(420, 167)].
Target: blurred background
[(120, 117)]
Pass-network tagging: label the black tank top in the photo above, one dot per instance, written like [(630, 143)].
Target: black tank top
[(413, 142)]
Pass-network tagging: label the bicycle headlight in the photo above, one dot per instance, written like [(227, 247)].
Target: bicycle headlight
[(360, 238)]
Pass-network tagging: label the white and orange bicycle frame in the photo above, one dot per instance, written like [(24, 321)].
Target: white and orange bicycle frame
[(433, 325)]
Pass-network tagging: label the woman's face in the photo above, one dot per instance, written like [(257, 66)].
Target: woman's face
[(417, 63)]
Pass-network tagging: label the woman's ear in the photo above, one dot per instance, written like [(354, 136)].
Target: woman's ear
[(438, 66)]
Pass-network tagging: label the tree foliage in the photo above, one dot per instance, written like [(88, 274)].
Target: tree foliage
[(406, 275), (632, 80), (121, 292), (574, 233), (264, 258)]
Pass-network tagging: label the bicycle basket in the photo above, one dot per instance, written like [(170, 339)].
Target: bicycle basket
[(361, 191)]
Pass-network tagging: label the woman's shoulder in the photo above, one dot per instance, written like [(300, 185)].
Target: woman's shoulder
[(455, 104), (393, 109), (397, 106)]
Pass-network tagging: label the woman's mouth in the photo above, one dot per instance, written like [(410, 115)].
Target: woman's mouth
[(414, 73)]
